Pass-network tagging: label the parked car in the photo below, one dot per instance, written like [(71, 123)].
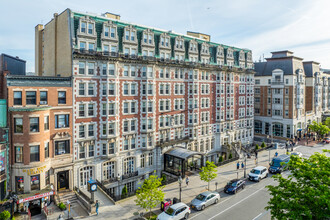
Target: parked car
[(258, 173), (278, 164), (175, 212), (297, 154), (326, 140), (205, 199), (234, 185)]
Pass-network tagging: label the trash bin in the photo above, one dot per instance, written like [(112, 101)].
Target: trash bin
[(276, 145), (175, 200)]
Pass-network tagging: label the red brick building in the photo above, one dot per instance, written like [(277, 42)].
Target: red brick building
[(40, 118)]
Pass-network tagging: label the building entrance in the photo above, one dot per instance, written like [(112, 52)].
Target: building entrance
[(63, 180)]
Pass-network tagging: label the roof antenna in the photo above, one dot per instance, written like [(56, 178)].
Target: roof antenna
[(263, 57), (260, 59)]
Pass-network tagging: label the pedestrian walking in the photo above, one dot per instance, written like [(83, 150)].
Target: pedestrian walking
[(97, 207), (276, 154), (242, 165), (238, 165), (187, 181)]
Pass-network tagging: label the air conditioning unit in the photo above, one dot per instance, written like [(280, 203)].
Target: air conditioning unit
[(43, 102)]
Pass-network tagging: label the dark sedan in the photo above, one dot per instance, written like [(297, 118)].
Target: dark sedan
[(234, 185)]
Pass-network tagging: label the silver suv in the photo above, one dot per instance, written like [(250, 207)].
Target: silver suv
[(258, 173)]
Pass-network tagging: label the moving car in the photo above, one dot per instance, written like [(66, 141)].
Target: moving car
[(175, 212), (278, 164), (258, 173), (205, 199), (234, 185), (326, 140)]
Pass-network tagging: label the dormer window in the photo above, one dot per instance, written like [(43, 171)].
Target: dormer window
[(132, 35), (83, 27), (127, 35), (162, 41)]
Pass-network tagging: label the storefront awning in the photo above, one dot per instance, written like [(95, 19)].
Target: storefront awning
[(182, 153), (33, 196)]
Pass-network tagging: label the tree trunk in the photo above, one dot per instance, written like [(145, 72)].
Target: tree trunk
[(208, 186)]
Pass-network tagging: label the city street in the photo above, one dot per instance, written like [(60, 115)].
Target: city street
[(249, 203)]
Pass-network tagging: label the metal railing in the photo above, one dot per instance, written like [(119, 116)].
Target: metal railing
[(129, 175), (275, 82), (107, 191)]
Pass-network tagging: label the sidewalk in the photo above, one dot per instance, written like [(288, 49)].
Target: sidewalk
[(124, 209)]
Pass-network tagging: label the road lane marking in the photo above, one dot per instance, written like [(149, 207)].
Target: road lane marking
[(257, 216), (201, 212), (237, 203)]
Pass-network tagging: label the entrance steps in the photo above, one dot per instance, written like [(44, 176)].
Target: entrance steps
[(69, 196)]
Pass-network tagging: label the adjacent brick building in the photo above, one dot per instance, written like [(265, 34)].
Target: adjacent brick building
[(139, 92), (40, 119), (289, 95)]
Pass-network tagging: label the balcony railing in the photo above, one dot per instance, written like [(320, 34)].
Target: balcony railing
[(130, 175), (275, 82), (111, 180)]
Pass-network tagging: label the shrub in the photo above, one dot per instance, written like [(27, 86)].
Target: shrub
[(257, 147), (124, 192), (263, 145), (230, 156), (5, 215), (62, 206), (163, 179), (220, 159)]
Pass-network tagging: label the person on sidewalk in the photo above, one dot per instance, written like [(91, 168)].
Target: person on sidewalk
[(238, 165), (97, 207), (187, 181), (276, 154), (242, 165)]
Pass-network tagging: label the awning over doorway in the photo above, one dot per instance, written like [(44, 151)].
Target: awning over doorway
[(182, 153)]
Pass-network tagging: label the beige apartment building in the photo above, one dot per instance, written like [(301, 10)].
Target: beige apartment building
[(289, 94)]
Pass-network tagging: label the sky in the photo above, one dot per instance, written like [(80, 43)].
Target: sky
[(302, 26)]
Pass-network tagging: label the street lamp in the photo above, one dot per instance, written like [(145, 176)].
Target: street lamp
[(180, 182), (245, 166)]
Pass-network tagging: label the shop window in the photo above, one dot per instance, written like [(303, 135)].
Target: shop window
[(62, 147), (35, 182), (47, 180), (34, 153), (17, 98), (62, 97), (19, 180), (31, 98)]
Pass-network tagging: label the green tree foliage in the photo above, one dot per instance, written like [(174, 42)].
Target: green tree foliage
[(150, 194), (5, 215), (208, 173), (163, 179), (305, 193), (263, 145), (220, 159), (124, 192), (230, 156), (257, 147), (319, 128), (327, 122)]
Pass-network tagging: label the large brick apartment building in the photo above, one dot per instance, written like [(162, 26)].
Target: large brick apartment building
[(140, 92), (289, 95), (40, 123)]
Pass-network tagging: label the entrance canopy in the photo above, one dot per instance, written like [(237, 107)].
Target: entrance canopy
[(182, 153), (176, 160)]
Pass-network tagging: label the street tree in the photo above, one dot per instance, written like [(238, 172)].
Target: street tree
[(327, 122), (319, 128), (150, 194), (208, 173), (305, 193)]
